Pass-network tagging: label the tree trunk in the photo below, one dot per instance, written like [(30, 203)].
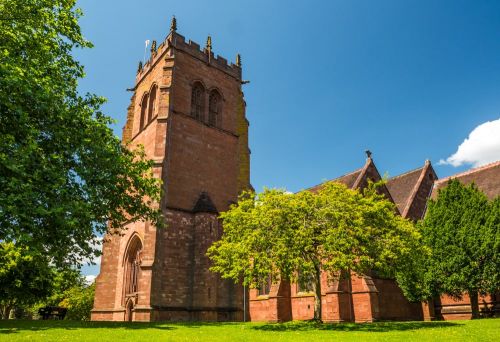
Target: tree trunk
[(317, 294), (6, 311), (474, 304)]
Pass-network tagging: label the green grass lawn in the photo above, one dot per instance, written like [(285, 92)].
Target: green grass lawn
[(478, 330)]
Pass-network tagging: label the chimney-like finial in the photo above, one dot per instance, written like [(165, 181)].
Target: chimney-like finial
[(139, 68), (238, 60), (173, 24), (208, 47), (368, 154), (153, 46)]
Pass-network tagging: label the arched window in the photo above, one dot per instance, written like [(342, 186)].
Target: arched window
[(152, 103), (132, 266), (144, 108), (214, 108), (265, 287), (198, 101), (305, 283)]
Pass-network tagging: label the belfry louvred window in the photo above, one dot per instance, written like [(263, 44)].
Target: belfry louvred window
[(214, 108), (198, 101), (144, 111), (152, 103)]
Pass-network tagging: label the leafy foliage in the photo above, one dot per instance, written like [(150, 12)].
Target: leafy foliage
[(65, 177), (62, 281), (25, 277), (336, 230), (68, 289), (28, 282), (79, 300), (463, 231), (491, 240)]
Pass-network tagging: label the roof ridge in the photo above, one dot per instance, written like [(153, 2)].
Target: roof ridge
[(469, 171), (348, 174), (411, 199), (406, 173), (333, 179), (369, 161)]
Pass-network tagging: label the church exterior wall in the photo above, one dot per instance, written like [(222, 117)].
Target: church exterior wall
[(393, 305), (355, 299), (203, 168)]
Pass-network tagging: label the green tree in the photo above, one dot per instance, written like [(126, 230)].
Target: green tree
[(68, 289), (491, 270), (64, 176), (337, 230), (462, 230), (79, 301), (25, 277), (62, 281)]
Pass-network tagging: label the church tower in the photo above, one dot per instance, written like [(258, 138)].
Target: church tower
[(188, 111)]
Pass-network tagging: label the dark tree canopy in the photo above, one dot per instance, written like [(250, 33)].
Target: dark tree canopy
[(462, 230), (64, 176)]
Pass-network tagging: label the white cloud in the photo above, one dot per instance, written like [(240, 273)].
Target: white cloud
[(89, 279), (480, 148), (95, 245)]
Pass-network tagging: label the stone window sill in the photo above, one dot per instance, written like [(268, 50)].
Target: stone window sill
[(303, 294)]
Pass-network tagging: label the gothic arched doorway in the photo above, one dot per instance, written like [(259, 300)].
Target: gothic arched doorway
[(129, 309)]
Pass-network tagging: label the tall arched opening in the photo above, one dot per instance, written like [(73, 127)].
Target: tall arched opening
[(132, 271)]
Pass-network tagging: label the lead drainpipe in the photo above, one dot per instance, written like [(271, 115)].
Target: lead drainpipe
[(349, 296), (244, 303)]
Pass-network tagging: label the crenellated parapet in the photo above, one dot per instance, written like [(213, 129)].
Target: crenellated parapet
[(175, 41)]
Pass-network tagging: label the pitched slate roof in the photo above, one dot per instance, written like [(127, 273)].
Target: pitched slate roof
[(347, 179), (401, 187), (412, 189), (358, 179), (487, 179)]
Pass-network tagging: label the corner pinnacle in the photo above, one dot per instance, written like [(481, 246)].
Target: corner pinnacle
[(173, 24), (208, 47), (238, 60)]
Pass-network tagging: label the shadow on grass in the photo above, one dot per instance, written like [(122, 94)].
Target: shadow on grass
[(368, 327), (14, 326)]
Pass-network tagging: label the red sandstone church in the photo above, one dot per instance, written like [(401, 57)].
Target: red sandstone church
[(188, 111)]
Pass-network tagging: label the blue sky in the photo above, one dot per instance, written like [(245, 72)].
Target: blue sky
[(409, 80)]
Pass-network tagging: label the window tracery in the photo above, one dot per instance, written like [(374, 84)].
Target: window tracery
[(198, 101)]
